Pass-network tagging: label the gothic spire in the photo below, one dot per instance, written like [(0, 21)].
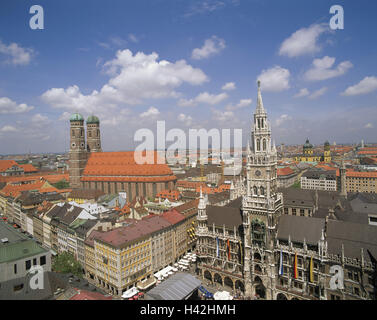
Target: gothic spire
[(260, 108), (202, 204)]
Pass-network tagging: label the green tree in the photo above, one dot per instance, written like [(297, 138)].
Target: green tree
[(62, 184), (66, 263), (297, 185)]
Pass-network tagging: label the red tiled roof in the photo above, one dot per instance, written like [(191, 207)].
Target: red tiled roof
[(328, 168), (6, 164), (139, 228), (284, 171), (169, 194), (188, 207), (111, 164), (51, 178), (172, 216), (15, 190), (367, 152), (28, 167), (189, 184), (361, 174)]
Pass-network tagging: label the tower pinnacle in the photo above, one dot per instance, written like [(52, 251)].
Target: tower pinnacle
[(260, 108)]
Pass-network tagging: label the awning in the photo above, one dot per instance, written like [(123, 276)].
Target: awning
[(178, 287), (130, 293), (147, 283)]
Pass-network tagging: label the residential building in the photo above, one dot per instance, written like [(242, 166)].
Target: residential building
[(18, 254), (318, 179)]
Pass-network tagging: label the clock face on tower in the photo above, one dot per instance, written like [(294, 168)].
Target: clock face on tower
[(257, 173)]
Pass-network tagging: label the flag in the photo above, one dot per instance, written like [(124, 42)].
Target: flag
[(295, 275), (311, 275), (228, 249), (217, 247), (281, 263), (241, 257)]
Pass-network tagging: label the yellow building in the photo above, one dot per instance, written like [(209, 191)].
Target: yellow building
[(361, 181), (308, 154)]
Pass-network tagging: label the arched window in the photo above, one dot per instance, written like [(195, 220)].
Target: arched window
[(264, 144), (258, 123), (262, 191), (262, 123), (258, 145), (255, 190), (81, 132)]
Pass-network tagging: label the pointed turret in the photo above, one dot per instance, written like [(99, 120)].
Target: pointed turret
[(202, 201), (260, 108)]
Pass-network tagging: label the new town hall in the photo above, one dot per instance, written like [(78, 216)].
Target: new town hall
[(256, 245)]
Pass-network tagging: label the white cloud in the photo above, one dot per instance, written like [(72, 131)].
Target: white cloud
[(212, 46), (318, 93), (303, 41), (17, 55), (212, 99), (283, 118), (275, 79), (187, 102), (302, 93), (40, 121), (7, 106), (242, 104), (203, 97), (8, 129), (368, 84), (133, 38), (151, 112), (186, 119), (208, 6), (222, 116), (321, 69), (368, 126), (113, 42), (133, 79), (229, 86), (65, 116)]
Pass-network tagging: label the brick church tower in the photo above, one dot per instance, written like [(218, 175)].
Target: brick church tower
[(77, 150), (93, 135)]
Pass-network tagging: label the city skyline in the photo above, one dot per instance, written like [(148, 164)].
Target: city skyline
[(168, 60)]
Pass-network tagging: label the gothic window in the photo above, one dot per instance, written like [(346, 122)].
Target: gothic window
[(262, 123), (81, 132), (258, 123), (258, 231), (255, 190), (258, 145), (262, 191)]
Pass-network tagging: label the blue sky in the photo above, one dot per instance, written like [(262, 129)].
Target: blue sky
[(191, 63)]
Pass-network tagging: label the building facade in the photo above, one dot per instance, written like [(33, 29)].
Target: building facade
[(111, 172), (319, 180), (287, 249)]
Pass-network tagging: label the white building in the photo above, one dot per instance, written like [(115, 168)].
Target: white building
[(319, 180)]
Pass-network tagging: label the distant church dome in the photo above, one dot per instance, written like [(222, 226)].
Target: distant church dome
[(76, 117), (92, 119), (307, 144), (327, 143)]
